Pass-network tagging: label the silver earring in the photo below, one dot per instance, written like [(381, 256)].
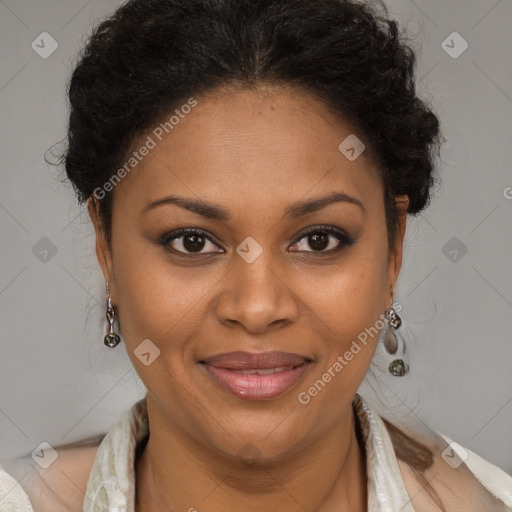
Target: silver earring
[(111, 339), (394, 342)]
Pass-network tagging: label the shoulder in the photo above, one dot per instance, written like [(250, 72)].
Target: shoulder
[(456, 488), (490, 476), (61, 487), (12, 496)]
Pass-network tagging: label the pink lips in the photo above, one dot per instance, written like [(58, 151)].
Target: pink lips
[(256, 376)]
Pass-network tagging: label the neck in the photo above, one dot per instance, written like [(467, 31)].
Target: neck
[(176, 472)]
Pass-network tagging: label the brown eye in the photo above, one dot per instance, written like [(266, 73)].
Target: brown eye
[(318, 241), (193, 243), (321, 239), (190, 241)]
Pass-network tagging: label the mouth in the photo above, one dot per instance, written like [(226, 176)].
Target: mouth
[(256, 376)]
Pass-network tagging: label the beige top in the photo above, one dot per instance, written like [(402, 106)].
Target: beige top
[(111, 484)]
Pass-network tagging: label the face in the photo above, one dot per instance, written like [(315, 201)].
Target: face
[(248, 277)]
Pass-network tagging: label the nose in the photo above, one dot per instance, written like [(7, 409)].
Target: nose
[(256, 297)]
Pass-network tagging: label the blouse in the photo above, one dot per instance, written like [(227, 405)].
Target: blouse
[(111, 483)]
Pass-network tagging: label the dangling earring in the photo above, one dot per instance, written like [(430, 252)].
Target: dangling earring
[(394, 342), (111, 339)]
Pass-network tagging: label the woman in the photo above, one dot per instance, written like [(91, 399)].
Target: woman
[(248, 168)]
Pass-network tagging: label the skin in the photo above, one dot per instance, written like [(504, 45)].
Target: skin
[(253, 153)]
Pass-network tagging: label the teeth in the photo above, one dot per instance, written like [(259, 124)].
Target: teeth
[(267, 371)]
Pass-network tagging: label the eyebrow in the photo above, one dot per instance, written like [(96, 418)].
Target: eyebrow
[(213, 211)]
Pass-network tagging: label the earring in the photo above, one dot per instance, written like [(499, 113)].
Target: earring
[(394, 342), (111, 339)]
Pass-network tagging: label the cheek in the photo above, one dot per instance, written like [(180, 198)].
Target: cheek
[(354, 317), (354, 314), (144, 289), (158, 300), (360, 291)]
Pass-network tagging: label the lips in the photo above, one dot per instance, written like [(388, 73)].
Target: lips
[(253, 361), (256, 376)]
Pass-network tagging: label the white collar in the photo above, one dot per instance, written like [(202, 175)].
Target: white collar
[(111, 484)]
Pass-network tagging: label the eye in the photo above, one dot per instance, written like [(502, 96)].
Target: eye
[(322, 239), (189, 241)]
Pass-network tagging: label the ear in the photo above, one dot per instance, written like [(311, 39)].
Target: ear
[(103, 252), (395, 259)]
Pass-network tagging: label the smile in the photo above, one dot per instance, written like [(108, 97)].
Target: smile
[(256, 376)]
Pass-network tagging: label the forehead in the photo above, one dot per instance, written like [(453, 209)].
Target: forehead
[(247, 145)]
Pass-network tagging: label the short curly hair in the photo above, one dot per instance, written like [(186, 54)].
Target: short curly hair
[(140, 63)]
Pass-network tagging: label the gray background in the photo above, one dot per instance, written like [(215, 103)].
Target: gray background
[(59, 383)]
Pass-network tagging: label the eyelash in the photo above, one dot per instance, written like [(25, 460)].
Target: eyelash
[(343, 238)]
